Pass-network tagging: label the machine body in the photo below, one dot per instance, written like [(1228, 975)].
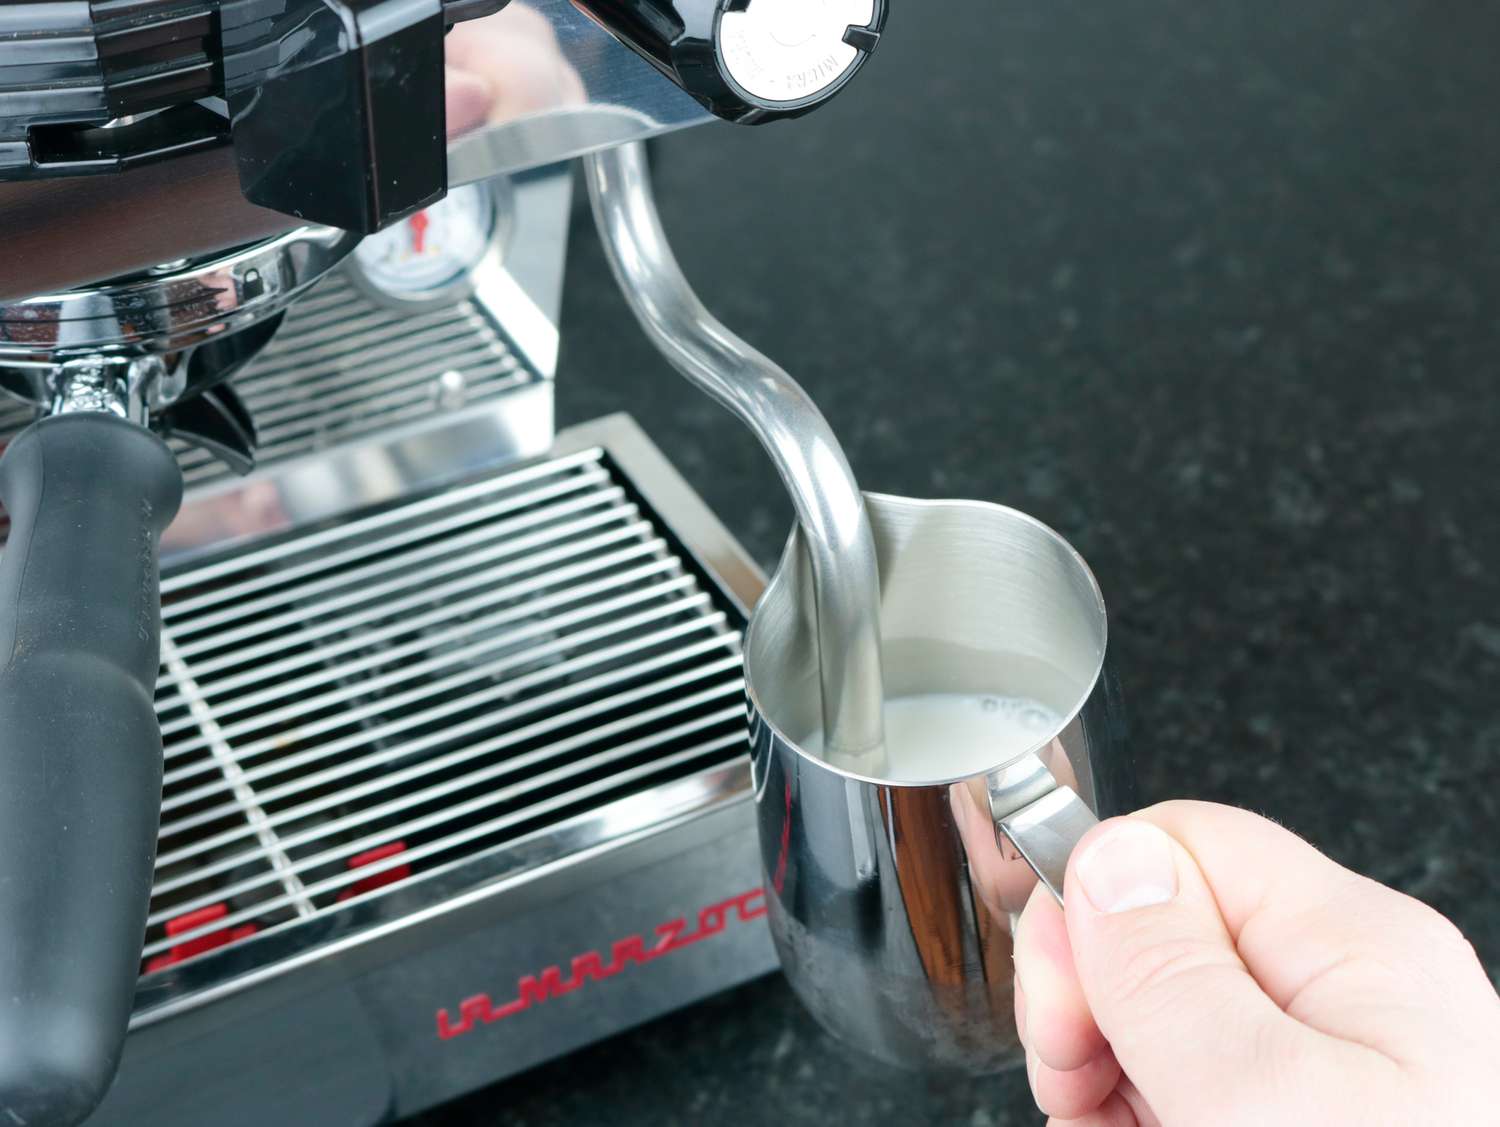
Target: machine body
[(183, 184)]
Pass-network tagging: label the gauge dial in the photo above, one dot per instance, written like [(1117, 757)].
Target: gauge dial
[(430, 255)]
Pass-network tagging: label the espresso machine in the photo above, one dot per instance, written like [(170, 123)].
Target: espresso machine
[(364, 739)]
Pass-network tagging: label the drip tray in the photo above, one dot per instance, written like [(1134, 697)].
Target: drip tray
[(460, 723), (349, 708)]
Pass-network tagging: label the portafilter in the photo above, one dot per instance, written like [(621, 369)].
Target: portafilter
[(89, 488)]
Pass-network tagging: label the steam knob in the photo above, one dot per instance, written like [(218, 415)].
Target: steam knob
[(749, 61)]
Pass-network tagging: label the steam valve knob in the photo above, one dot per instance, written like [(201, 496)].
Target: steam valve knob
[(749, 61)]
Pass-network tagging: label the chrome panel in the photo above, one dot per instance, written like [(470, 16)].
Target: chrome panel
[(560, 86)]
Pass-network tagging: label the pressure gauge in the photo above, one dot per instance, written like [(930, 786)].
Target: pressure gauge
[(431, 257)]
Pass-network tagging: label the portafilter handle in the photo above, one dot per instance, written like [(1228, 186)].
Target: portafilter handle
[(89, 490), (89, 493)]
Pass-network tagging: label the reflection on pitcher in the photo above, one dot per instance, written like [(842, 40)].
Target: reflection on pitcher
[(1000, 876)]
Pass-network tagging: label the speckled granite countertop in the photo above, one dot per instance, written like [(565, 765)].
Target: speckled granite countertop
[(1214, 289)]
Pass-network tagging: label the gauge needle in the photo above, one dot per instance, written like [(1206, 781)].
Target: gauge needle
[(419, 223)]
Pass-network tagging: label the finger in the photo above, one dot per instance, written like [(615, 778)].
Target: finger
[(469, 98), (1323, 942), (1020, 1003), (1067, 1095), (1128, 1092), (1189, 1025), (1059, 1027), (1115, 1111)]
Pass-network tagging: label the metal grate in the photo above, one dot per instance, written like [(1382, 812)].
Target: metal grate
[(342, 367), (353, 706)]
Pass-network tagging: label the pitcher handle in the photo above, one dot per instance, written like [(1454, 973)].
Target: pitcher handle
[(1043, 819)]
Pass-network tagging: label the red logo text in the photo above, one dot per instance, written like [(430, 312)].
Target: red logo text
[(535, 989)]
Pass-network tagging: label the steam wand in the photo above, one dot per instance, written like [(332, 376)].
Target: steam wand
[(835, 527)]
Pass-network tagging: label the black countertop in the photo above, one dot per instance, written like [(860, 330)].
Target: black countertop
[(1214, 289)]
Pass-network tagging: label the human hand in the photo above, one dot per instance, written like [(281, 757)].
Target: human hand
[(506, 66), (1212, 969)]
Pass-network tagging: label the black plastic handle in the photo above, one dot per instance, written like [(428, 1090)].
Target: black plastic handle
[(80, 751)]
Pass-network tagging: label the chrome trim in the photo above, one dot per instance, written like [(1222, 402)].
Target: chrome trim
[(296, 895), (175, 310), (110, 385)]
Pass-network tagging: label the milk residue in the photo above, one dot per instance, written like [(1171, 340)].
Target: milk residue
[(940, 736)]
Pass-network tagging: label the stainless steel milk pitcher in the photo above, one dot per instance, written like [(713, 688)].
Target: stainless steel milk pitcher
[(891, 904)]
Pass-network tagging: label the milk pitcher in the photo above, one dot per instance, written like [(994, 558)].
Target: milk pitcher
[(892, 903)]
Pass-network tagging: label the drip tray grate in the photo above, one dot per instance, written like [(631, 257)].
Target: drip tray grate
[(352, 706)]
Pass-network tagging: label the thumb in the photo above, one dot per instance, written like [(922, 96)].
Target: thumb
[(1189, 1025), (469, 100)]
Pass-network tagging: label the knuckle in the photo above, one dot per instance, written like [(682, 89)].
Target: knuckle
[(1448, 939), (1439, 937), (1406, 923)]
